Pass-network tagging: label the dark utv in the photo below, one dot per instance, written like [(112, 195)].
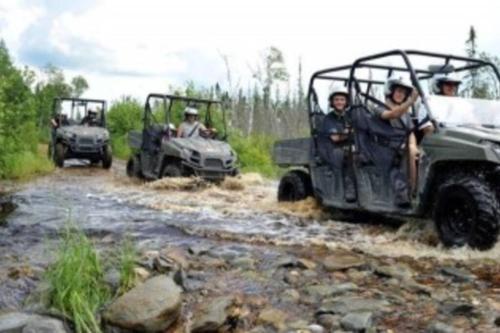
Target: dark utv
[(159, 153), (458, 169), (80, 132)]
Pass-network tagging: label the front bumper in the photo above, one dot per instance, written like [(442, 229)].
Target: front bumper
[(210, 170)]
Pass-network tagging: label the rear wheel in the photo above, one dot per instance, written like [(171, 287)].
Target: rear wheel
[(107, 157), (59, 155), (134, 167), (467, 213), (294, 186), (172, 170)]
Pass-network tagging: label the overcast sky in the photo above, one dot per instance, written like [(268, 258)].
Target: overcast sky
[(135, 47)]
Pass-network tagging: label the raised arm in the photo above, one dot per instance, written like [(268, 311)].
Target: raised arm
[(397, 111)]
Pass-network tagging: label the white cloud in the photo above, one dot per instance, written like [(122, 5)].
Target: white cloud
[(172, 41), (15, 18)]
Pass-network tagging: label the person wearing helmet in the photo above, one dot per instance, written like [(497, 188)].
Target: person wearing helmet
[(400, 97), (190, 127), (60, 119), (336, 138), (445, 84), (90, 119)]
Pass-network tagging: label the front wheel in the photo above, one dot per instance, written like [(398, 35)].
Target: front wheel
[(172, 170), (107, 157), (294, 186), (134, 167), (467, 213), (59, 155)]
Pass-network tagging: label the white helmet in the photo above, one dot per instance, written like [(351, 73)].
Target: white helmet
[(441, 78), (189, 111), (396, 81), (339, 90), (170, 126)]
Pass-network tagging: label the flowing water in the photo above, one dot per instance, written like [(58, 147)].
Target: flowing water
[(241, 213)]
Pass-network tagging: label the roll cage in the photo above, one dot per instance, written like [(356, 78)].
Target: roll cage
[(80, 102), (169, 100), (353, 83)]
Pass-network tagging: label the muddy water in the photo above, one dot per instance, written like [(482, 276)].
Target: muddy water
[(240, 217)]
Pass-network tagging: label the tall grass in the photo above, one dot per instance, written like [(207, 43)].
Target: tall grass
[(78, 289), (25, 164), (120, 146), (254, 153), (127, 260)]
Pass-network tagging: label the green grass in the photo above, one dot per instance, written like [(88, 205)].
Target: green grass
[(254, 154), (120, 147), (78, 289), (26, 164), (127, 260)]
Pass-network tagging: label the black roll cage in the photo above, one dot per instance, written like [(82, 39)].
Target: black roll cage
[(189, 101), (352, 82), (81, 102)]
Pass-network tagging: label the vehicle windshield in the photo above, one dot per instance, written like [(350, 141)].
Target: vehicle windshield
[(465, 111), (76, 114)]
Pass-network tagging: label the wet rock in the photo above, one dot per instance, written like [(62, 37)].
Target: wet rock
[(112, 278), (401, 272), (13, 322), (212, 316), (358, 321), (458, 275), (44, 325), (292, 277), (412, 286), (287, 262), (224, 253), (306, 264), (290, 295), (439, 327), (243, 263), (150, 307), (272, 317), (6, 207), (330, 290), (342, 261), (497, 321), (141, 274), (345, 305), (328, 321), (175, 254), (199, 249), (456, 309)]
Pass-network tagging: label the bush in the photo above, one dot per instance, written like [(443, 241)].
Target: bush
[(76, 279), (254, 153), (124, 116)]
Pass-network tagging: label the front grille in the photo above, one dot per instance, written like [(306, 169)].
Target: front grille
[(213, 163), (86, 141)]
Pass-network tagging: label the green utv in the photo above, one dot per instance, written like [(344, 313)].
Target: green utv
[(79, 132), (159, 153), (458, 171)]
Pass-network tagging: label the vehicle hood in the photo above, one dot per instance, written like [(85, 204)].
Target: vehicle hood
[(203, 146), (83, 130), (474, 133)]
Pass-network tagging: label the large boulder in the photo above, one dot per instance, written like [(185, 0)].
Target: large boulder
[(44, 325), (150, 307), (13, 322)]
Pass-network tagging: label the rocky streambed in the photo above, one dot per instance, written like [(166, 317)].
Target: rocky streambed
[(228, 258)]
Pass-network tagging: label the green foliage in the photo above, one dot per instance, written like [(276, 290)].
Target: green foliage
[(254, 153), (25, 164), (128, 258), (124, 116), (18, 132), (76, 279)]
